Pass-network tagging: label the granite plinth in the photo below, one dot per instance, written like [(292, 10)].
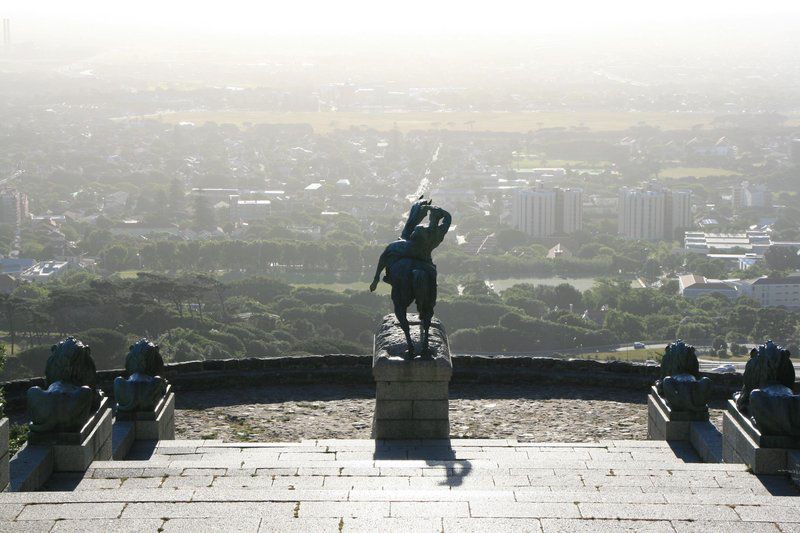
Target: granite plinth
[(739, 446), (706, 441), (72, 437), (123, 435), (152, 414), (35, 462), (764, 441), (412, 396), (676, 415), (31, 467), (96, 445), (158, 424), (793, 466)]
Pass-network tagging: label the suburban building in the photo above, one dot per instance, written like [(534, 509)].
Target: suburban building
[(747, 195), (15, 265), (558, 251), (767, 291), (569, 211), (776, 292), (693, 286), (45, 271), (653, 213), (706, 243), (248, 210), (544, 212)]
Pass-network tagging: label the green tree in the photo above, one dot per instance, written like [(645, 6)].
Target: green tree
[(204, 217)]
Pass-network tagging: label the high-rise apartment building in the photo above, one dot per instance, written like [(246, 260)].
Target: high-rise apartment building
[(6, 33), (653, 214), (747, 194), (569, 210), (677, 213), (542, 212)]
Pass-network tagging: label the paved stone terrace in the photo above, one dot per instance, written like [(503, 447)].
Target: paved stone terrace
[(552, 413), (364, 485)]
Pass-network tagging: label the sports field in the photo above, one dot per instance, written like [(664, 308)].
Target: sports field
[(521, 122), (697, 172)]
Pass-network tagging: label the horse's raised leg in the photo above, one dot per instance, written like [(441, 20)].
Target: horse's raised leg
[(400, 313)]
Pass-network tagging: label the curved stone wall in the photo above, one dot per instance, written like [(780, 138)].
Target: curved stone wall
[(357, 369)]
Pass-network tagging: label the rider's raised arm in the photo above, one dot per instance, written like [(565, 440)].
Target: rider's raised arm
[(444, 225), (415, 216)]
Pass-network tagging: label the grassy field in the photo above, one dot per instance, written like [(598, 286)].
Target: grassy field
[(627, 355), (516, 122), (383, 288), (549, 163), (697, 172)]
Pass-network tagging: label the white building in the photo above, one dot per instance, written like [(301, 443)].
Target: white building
[(542, 212), (756, 242), (45, 271), (693, 286), (652, 214), (679, 212), (641, 214), (776, 292), (747, 194), (249, 210), (768, 292), (534, 211), (569, 210)]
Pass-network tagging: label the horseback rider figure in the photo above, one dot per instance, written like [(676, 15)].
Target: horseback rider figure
[(410, 269)]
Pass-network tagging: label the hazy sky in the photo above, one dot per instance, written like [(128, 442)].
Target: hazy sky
[(376, 17)]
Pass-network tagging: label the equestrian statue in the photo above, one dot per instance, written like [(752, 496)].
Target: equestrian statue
[(410, 270)]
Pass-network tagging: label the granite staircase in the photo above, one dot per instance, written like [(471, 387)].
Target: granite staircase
[(409, 486)]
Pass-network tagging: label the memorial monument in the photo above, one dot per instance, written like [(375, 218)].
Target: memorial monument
[(412, 392), (762, 421)]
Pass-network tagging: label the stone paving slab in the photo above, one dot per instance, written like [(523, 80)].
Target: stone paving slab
[(106, 525), (706, 526), (476, 485)]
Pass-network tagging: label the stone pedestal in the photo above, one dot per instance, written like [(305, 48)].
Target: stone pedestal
[(31, 467), (742, 442), (793, 466), (664, 423), (158, 424), (411, 400), (45, 453), (4, 472), (74, 451)]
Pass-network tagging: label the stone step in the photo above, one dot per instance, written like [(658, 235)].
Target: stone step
[(363, 485)]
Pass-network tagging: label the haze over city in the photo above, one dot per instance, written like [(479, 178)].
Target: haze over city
[(421, 266)]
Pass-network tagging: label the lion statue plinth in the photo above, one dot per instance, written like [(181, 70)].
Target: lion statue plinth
[(144, 387), (71, 395), (767, 394), (680, 384)]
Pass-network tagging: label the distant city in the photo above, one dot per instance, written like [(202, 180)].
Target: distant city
[(232, 202)]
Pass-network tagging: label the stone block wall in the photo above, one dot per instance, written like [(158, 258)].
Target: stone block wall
[(356, 369)]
